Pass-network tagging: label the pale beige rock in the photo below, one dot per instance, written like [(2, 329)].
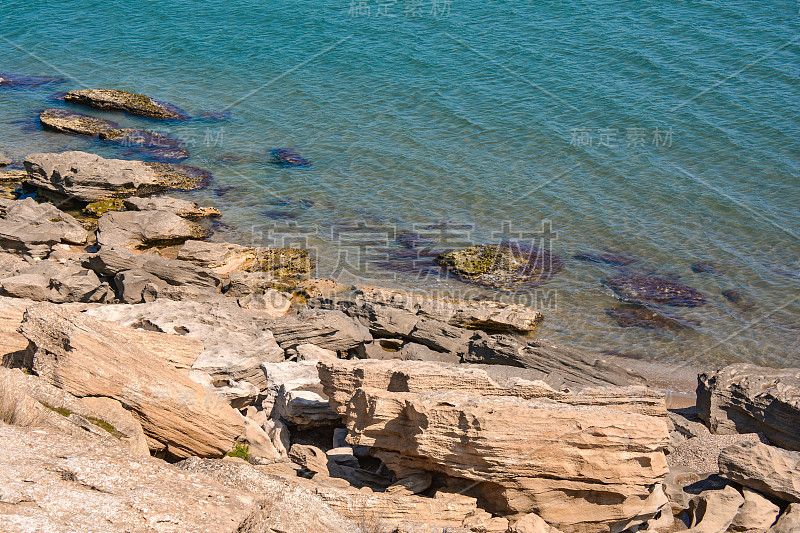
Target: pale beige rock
[(531, 523), (566, 457), (312, 352), (89, 357), (714, 510), (343, 378), (789, 522), (111, 411), (225, 258), (757, 512), (744, 398), (764, 468)]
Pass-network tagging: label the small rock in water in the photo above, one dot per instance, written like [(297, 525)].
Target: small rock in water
[(64, 121), (646, 288), (275, 214), (132, 103), (287, 157), (737, 297), (4, 160), (409, 239), (646, 317), (222, 191), (21, 81), (702, 267), (608, 258), (302, 202), (160, 155), (216, 115), (502, 266)]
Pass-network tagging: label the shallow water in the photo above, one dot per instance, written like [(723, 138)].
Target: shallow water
[(667, 131)]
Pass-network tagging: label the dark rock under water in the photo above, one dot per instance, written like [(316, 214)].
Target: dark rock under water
[(704, 267), (23, 81), (646, 317), (287, 157), (651, 289), (607, 258)]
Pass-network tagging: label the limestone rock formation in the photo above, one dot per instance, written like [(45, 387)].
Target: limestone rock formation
[(234, 343), (89, 357), (391, 312), (144, 229), (560, 366), (756, 513), (789, 522), (764, 468), (332, 330), (182, 208), (566, 457), (225, 258), (714, 510), (116, 100), (33, 229), (88, 177), (744, 398)]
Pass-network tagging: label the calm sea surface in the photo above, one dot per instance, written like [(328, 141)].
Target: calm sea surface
[(666, 131)]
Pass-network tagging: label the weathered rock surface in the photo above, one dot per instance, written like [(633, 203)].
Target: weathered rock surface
[(33, 229), (650, 289), (182, 208), (714, 510), (756, 513), (391, 312), (789, 522), (132, 103), (744, 398), (26, 400), (234, 343), (50, 281), (764, 468), (62, 484), (225, 258), (157, 275), (88, 177), (502, 266), (531, 523), (89, 357), (559, 365), (332, 330), (64, 121), (142, 229), (560, 458)]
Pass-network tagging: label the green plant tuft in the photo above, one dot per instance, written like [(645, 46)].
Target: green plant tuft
[(240, 450)]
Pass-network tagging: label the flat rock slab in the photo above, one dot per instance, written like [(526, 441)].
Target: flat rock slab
[(30, 228), (65, 121), (127, 102), (744, 398), (88, 177)]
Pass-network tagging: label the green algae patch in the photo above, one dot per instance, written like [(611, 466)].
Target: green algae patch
[(96, 209)]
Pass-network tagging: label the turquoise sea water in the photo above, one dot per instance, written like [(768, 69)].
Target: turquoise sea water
[(667, 131)]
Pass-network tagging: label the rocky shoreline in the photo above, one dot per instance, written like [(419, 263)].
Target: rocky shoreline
[(156, 381)]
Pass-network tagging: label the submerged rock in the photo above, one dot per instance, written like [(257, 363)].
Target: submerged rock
[(646, 317), (89, 177), (608, 258), (646, 288), (274, 214), (132, 103), (735, 296), (503, 265), (137, 137), (64, 121), (22, 81), (704, 267), (287, 157)]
